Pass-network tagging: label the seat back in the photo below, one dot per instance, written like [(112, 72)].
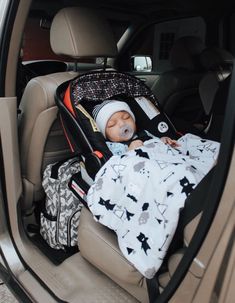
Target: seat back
[(178, 88), (213, 89), (75, 32)]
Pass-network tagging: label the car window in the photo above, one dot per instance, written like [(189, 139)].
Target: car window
[(151, 49)]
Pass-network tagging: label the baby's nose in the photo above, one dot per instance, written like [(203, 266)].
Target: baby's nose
[(121, 122)]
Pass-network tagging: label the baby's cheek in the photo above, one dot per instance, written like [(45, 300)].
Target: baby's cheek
[(113, 134)]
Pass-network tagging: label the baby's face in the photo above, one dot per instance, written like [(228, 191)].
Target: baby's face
[(119, 127)]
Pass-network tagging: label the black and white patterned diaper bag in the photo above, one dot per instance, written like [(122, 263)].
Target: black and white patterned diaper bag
[(60, 217)]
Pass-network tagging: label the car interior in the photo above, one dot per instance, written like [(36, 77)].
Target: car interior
[(184, 54)]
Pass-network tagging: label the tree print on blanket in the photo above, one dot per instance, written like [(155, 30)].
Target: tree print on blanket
[(162, 208), (118, 170), (122, 213)]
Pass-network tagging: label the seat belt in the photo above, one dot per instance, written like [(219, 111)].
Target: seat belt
[(195, 202), (193, 206), (153, 289)]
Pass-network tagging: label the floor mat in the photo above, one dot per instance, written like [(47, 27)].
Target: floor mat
[(6, 295), (56, 256)]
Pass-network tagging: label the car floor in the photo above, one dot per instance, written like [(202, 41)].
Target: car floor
[(5, 294)]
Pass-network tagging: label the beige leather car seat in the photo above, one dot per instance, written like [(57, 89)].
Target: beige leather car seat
[(75, 32), (99, 246)]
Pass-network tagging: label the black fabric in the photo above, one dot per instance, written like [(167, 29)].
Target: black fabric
[(55, 168), (142, 135), (79, 130)]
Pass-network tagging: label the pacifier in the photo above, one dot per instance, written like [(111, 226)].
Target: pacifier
[(126, 132)]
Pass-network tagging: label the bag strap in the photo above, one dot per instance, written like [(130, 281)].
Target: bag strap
[(55, 167)]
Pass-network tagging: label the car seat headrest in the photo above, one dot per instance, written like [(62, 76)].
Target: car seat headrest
[(219, 63), (81, 32), (208, 87), (185, 52), (216, 59)]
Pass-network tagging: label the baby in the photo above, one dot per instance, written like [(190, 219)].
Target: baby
[(116, 122)]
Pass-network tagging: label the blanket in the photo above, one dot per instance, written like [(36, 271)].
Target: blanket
[(139, 195)]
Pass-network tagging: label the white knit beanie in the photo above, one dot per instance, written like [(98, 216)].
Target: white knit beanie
[(102, 112)]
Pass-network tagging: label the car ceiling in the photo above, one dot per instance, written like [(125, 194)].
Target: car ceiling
[(140, 8)]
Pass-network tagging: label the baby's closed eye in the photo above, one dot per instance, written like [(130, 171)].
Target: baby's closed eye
[(111, 123), (125, 116)]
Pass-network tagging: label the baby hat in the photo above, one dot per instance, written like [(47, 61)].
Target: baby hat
[(102, 112)]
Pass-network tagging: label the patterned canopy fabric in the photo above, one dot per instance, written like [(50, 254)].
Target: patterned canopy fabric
[(99, 86)]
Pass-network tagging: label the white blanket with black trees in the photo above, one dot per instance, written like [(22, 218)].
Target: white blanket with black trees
[(139, 195)]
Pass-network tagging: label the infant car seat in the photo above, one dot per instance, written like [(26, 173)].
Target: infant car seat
[(76, 100)]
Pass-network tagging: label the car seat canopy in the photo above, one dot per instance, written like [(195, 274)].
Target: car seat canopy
[(105, 85)]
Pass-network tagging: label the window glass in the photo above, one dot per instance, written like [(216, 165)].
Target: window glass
[(154, 43)]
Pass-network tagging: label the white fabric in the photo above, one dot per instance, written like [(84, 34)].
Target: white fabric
[(139, 195)]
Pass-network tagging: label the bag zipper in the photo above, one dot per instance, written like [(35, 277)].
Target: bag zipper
[(68, 227)]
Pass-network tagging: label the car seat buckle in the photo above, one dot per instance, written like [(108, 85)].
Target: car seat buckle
[(98, 154)]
